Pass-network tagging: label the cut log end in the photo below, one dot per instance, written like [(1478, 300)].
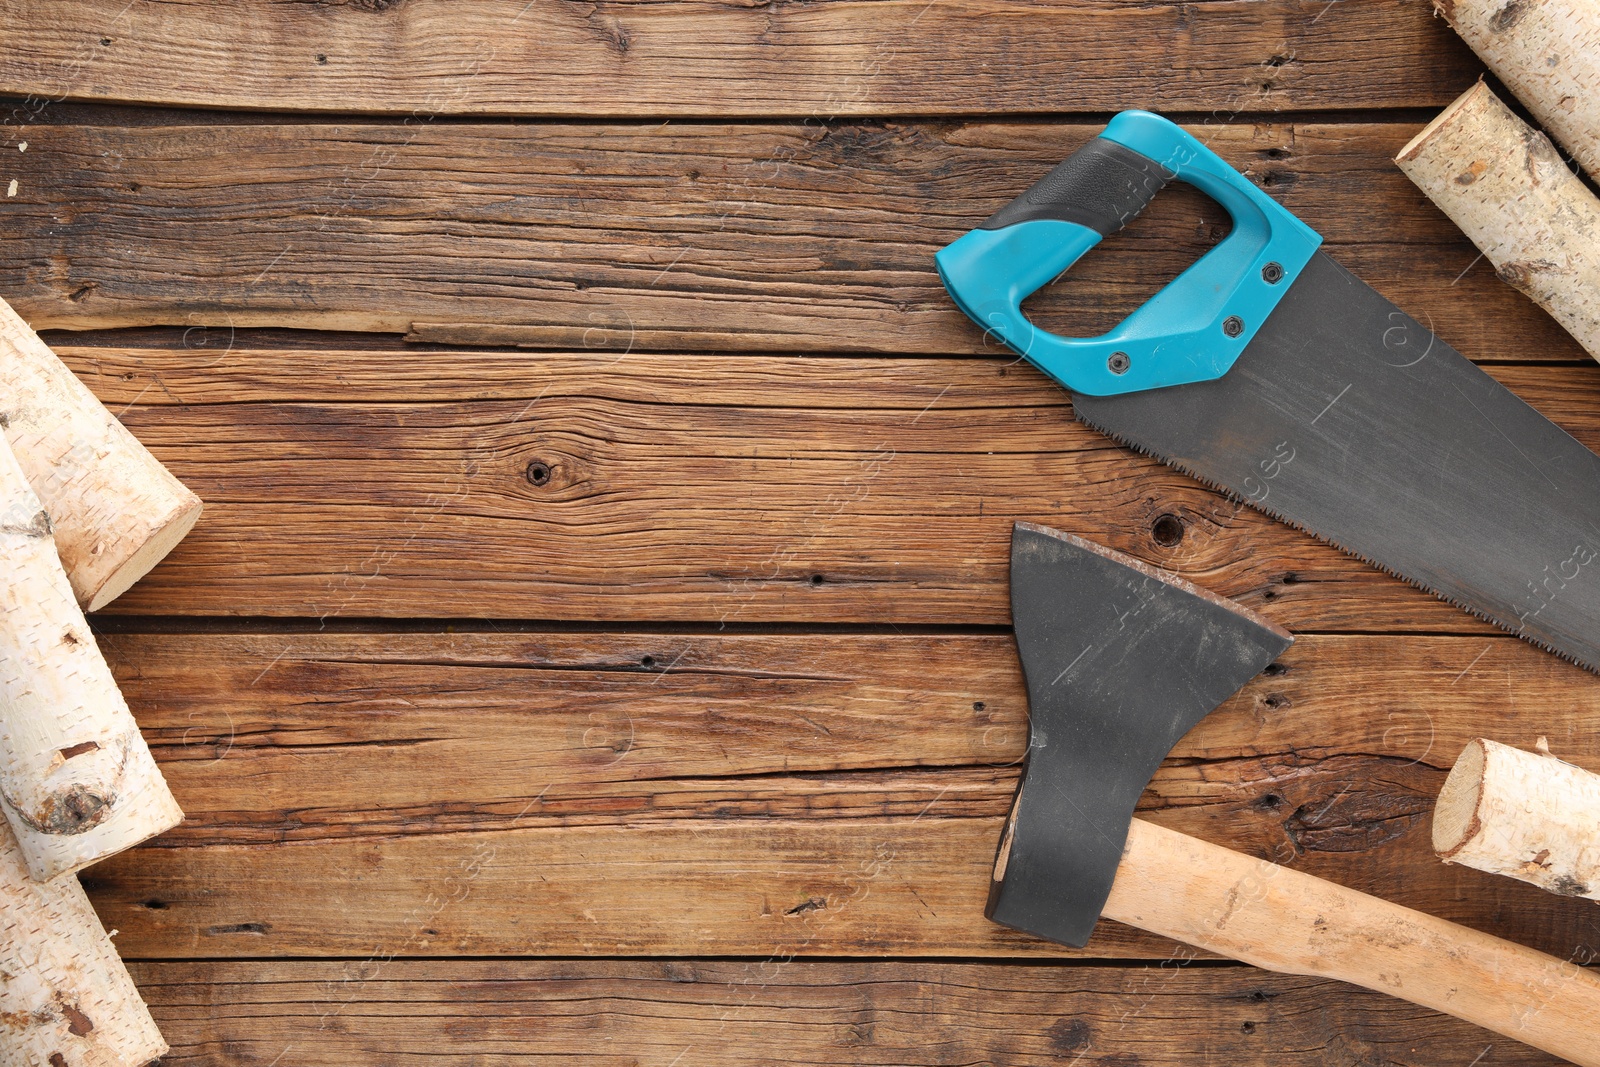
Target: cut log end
[(1525, 815), (77, 780), (114, 508), (1455, 816), (155, 548), (1547, 53), (1471, 99), (1508, 189)]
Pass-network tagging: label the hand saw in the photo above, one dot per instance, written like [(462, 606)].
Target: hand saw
[(1270, 372)]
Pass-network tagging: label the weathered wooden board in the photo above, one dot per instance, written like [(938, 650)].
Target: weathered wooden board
[(298, 736), (662, 237), (692, 794), (719, 488), (711, 1013), (776, 881), (425, 58)]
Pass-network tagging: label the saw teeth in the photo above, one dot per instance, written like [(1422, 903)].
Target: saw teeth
[(1287, 521)]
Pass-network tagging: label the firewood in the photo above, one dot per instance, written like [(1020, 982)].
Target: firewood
[(115, 509), (1526, 815), (77, 782), (65, 997), (1547, 52), (1503, 183)]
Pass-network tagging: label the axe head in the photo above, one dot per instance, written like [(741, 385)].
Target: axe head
[(1121, 659)]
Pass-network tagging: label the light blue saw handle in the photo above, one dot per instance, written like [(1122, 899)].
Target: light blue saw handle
[(1191, 331)]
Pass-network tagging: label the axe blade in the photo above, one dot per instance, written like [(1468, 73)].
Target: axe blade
[(1121, 659)]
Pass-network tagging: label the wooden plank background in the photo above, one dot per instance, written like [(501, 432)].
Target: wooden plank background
[(726, 489), (715, 1012), (689, 237), (596, 646), (721, 58)]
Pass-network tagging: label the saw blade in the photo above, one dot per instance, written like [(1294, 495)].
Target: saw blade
[(1347, 418)]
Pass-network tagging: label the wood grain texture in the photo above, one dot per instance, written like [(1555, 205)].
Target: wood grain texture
[(711, 1013), (627, 238), (439, 57), (716, 488), (557, 794), (681, 790)]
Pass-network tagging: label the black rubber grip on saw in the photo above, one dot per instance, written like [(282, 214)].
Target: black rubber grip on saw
[(1102, 185)]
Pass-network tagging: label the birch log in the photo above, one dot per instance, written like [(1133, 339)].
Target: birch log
[(1523, 814), (1505, 186), (115, 509), (77, 782), (65, 997), (1547, 52)]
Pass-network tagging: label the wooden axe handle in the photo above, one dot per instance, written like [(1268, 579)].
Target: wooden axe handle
[(1283, 920)]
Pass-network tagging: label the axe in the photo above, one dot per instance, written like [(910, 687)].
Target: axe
[(1121, 660)]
